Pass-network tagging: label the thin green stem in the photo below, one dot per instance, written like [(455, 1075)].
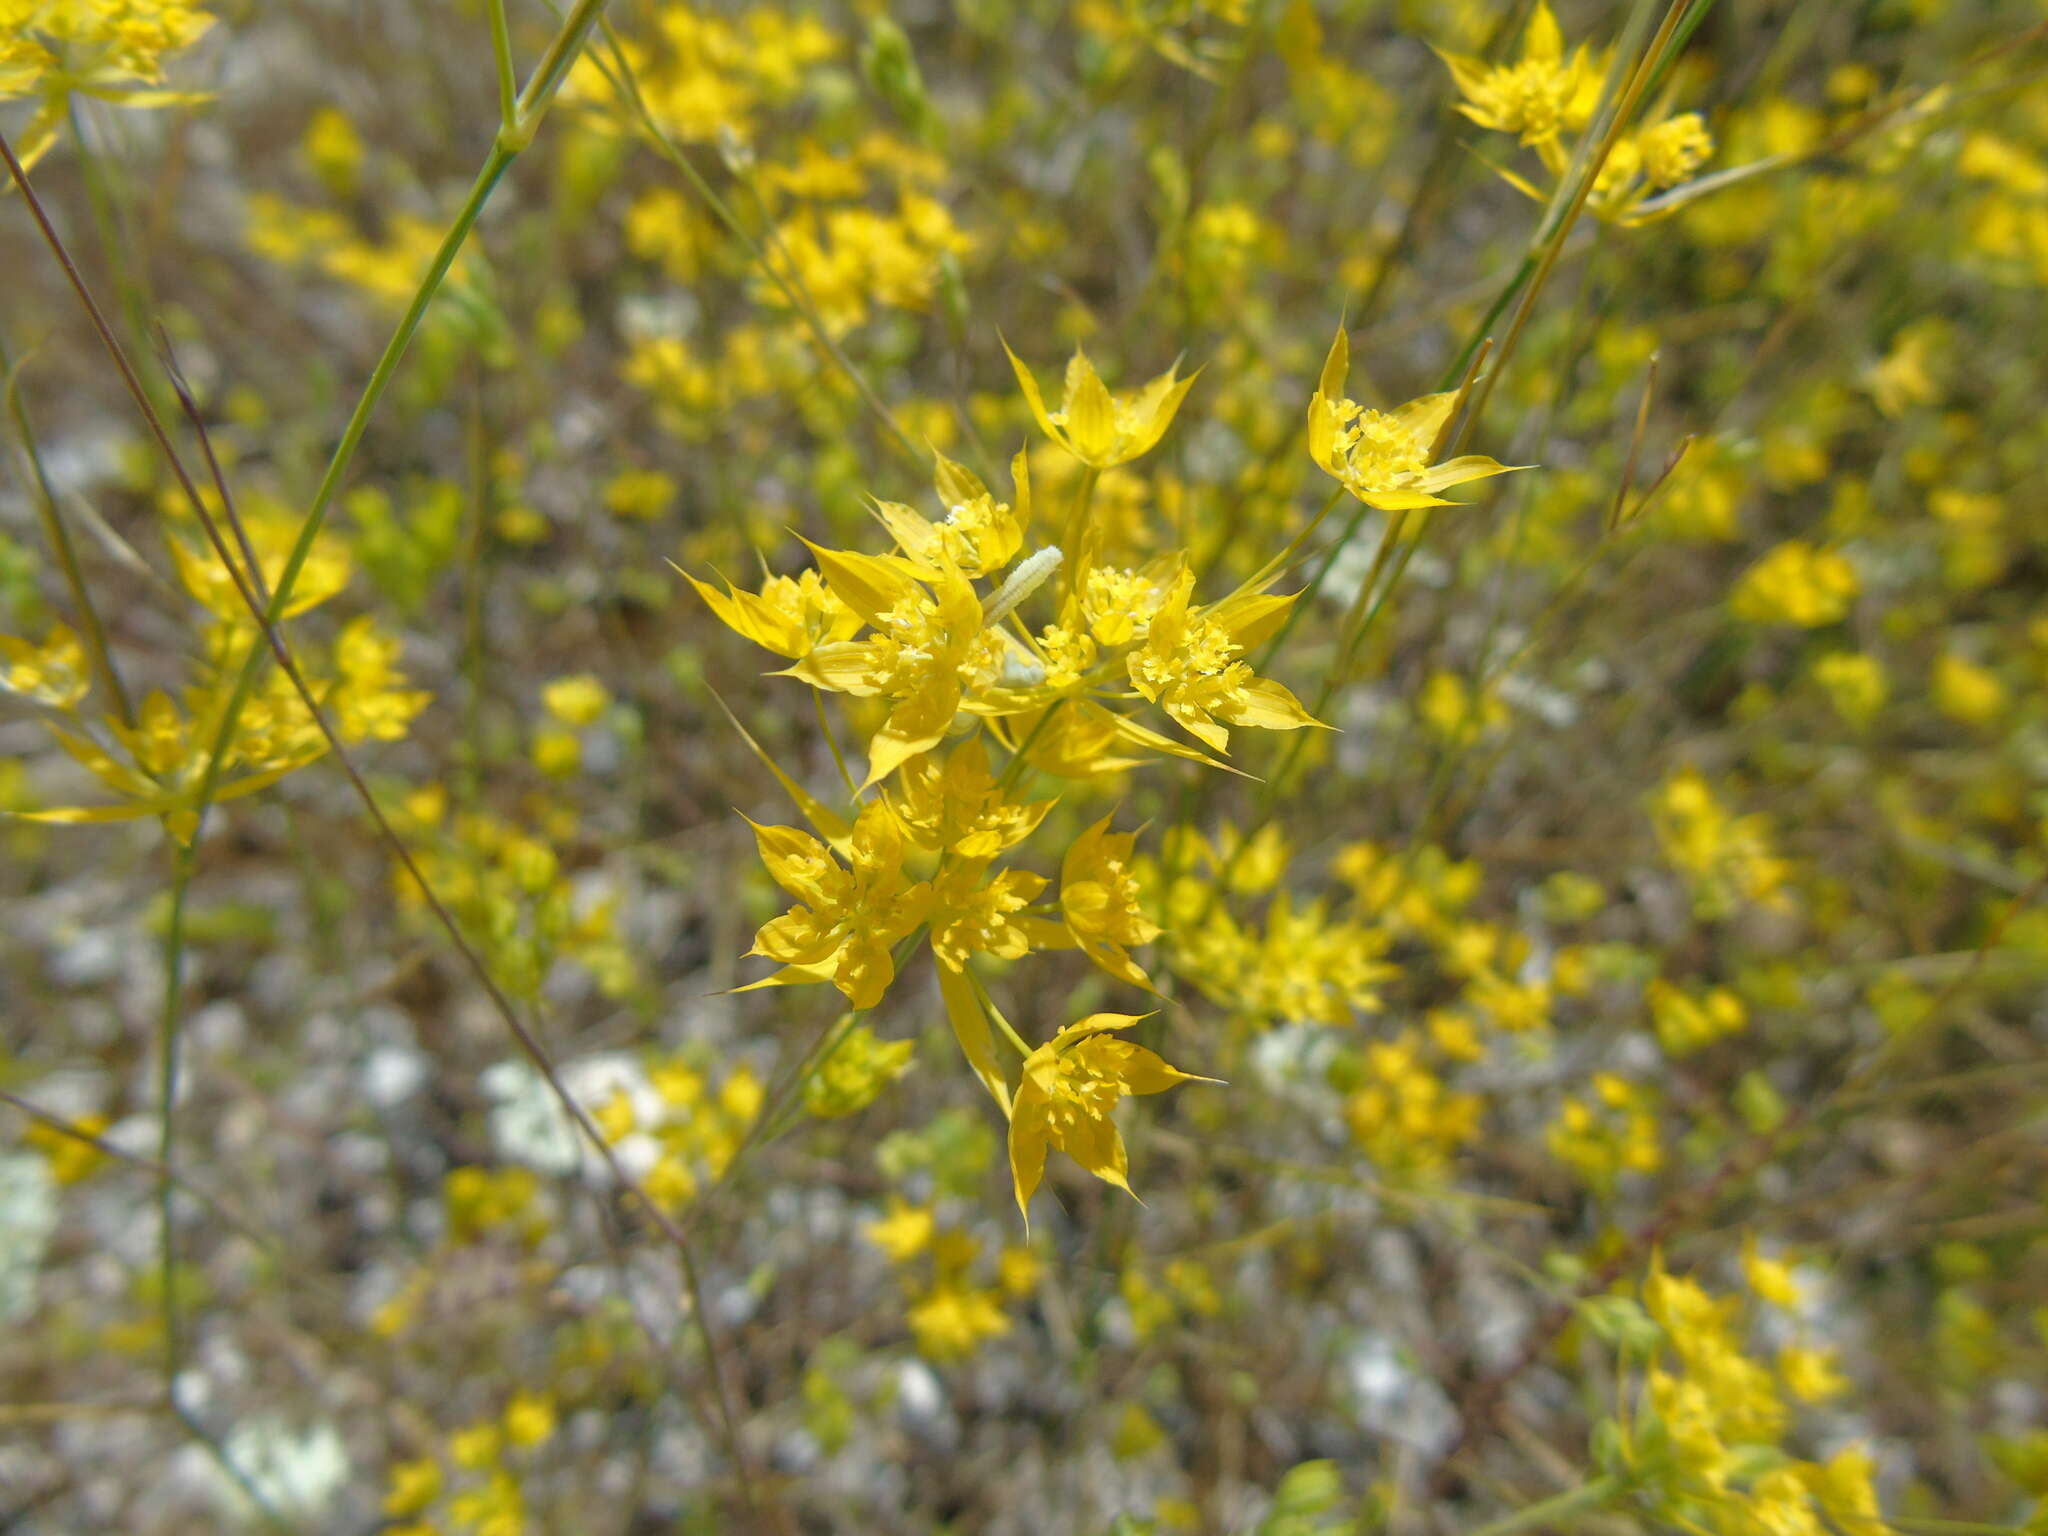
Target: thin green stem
[(1076, 530), (989, 1007), (508, 82), (1559, 1507), (832, 741)]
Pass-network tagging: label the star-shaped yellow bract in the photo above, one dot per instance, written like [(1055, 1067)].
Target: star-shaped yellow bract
[(1540, 96), (1070, 1085), (1100, 429), (1189, 665), (1383, 457), (847, 915)]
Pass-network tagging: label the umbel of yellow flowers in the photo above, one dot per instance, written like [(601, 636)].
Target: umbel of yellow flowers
[(1383, 457)]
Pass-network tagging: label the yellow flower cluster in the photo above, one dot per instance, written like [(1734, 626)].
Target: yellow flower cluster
[(696, 1130), (110, 50), (1730, 861), (1547, 99), (1402, 1115), (1612, 1132), (1796, 584), (505, 883), (475, 1485), (955, 1304), (156, 756), (941, 658), (1701, 1446)]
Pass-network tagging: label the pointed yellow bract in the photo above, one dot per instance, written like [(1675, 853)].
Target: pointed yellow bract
[(1070, 1085), (1383, 457), (789, 615), (1100, 429)]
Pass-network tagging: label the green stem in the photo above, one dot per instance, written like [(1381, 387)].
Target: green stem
[(508, 83), (1572, 1501), (1077, 527), (486, 182), (989, 1007)]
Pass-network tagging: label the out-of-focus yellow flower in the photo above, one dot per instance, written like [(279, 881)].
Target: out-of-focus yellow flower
[(580, 700), (1540, 96), (1965, 691), (1856, 685), (904, 1233), (952, 1320), (856, 1072), (1796, 583)]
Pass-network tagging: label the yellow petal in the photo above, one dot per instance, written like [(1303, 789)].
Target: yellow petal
[(1032, 398), (1090, 413), (1336, 367), (868, 584)]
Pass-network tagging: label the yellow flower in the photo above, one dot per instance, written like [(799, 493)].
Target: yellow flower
[(1018, 1269), (904, 1233), (113, 52), (855, 1073), (529, 1419), (1810, 1374), (1539, 96), (1100, 429), (848, 915), (969, 917), (928, 650), (1796, 583), (414, 1485), (1070, 1085), (1189, 666), (1099, 900), (1967, 692), (1685, 1023), (1769, 1278), (1842, 1487), (53, 673), (1673, 149), (1855, 683), (956, 805), (478, 1446), (70, 1158), (579, 700), (788, 616), (952, 1319), (979, 534), (640, 494), (1383, 457)]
